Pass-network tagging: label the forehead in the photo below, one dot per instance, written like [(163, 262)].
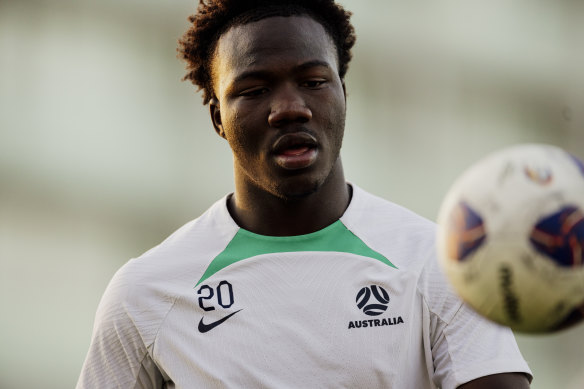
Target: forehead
[(275, 41)]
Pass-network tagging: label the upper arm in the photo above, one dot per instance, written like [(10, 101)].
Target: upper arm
[(499, 381)]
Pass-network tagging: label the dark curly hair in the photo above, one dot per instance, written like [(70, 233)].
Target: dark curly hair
[(214, 17)]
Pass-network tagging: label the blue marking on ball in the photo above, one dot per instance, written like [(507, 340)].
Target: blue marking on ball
[(560, 237), (578, 163)]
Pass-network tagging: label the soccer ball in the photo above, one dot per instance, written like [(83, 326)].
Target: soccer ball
[(511, 237)]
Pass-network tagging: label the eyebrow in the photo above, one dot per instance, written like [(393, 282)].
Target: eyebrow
[(266, 74)]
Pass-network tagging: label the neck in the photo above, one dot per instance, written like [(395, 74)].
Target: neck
[(262, 212)]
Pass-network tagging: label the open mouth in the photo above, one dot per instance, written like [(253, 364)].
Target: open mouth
[(295, 151)]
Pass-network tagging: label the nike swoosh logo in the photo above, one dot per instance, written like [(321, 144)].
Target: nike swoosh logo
[(208, 327)]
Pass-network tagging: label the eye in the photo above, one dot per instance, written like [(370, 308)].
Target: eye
[(252, 92), (313, 84)]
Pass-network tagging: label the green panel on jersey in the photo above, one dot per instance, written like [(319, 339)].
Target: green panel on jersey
[(246, 244)]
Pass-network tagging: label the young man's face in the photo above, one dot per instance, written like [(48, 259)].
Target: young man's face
[(280, 104)]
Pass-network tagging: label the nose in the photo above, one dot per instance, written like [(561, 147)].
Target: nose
[(288, 106)]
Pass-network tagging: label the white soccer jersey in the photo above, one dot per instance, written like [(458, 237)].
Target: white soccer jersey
[(359, 304)]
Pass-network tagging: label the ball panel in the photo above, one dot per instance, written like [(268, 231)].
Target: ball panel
[(466, 232), (560, 236), (578, 163)]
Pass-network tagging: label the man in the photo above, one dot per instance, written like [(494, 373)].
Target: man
[(297, 279)]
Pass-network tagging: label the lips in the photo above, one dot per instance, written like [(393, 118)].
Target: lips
[(295, 150)]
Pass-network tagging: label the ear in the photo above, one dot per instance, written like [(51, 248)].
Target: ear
[(215, 112)]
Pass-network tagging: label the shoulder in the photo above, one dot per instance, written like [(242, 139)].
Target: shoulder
[(403, 236), (144, 289), (185, 252)]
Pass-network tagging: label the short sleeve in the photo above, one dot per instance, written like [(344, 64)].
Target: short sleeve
[(469, 347), (118, 355)]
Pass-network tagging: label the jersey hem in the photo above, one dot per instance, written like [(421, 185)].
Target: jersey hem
[(486, 368)]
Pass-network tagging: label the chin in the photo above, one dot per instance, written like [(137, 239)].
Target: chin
[(295, 191)]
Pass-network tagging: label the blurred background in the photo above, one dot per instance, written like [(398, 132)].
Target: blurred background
[(104, 151)]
